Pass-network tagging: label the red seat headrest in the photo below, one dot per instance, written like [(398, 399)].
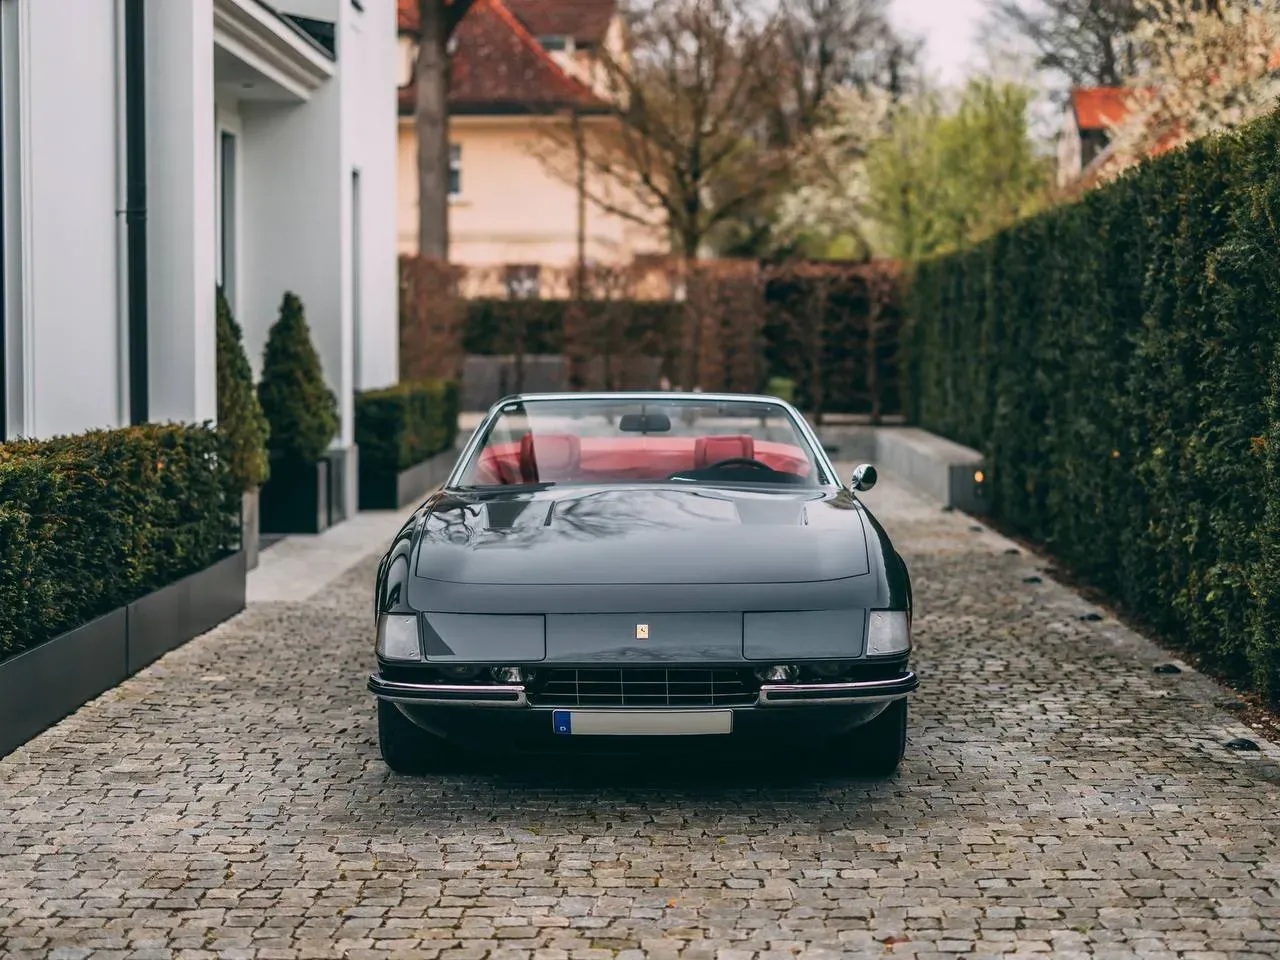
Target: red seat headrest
[(709, 450), (549, 457)]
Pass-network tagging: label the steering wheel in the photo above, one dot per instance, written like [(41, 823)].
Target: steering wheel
[(739, 462)]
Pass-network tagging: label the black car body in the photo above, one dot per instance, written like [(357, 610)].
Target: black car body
[(529, 612)]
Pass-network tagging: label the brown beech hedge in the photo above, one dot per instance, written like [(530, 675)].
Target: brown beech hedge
[(1117, 360), (91, 522)]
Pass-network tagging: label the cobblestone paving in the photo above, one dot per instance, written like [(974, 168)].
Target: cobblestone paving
[(1059, 799)]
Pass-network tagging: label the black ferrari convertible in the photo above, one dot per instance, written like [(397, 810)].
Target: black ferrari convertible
[(640, 566)]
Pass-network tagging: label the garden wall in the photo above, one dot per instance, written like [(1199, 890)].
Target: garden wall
[(1116, 360)]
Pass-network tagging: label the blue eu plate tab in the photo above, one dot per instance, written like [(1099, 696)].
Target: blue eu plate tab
[(560, 721)]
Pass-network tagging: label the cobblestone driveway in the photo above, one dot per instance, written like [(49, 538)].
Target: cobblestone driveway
[(1059, 797)]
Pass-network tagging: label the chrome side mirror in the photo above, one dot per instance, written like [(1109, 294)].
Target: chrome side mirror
[(864, 477)]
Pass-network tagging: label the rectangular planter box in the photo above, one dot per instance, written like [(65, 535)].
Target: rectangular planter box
[(47, 683), (165, 620), (383, 490), (342, 463), (249, 529), (295, 498)]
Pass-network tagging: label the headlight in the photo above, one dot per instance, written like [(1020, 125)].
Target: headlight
[(780, 673), (888, 632), (398, 637), (510, 674)]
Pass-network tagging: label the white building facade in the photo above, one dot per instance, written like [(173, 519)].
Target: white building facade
[(154, 149)]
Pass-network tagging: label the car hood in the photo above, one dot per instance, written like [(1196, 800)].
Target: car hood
[(642, 535)]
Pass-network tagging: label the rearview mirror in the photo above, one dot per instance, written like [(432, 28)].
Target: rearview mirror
[(644, 423), (864, 477)]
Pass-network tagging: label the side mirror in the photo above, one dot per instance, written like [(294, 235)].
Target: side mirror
[(864, 477)]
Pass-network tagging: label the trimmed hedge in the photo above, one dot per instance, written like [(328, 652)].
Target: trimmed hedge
[(241, 423), (301, 410), (89, 523), (403, 425), (1117, 360)]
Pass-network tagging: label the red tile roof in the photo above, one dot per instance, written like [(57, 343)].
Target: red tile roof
[(498, 67), (587, 21), (1099, 108)]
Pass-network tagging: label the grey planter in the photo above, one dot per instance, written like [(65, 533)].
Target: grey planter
[(381, 490), (250, 531), (45, 684), (165, 620)]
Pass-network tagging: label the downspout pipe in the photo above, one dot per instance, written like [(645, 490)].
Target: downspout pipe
[(122, 232), (135, 94), (4, 303)]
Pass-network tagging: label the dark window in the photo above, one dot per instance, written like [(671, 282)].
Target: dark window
[(554, 42), (227, 215), (357, 270), (455, 170)]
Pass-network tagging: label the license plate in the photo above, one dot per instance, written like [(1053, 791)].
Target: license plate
[(641, 723)]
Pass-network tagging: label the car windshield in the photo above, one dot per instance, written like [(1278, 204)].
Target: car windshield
[(601, 440)]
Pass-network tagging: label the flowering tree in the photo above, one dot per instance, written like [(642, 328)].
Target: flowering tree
[(832, 191), (1206, 65)]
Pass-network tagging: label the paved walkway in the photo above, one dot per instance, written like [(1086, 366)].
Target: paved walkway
[(1059, 798)]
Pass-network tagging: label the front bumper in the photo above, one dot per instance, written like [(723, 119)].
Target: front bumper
[(504, 714), (859, 692)]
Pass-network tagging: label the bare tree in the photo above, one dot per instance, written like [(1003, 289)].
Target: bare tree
[(437, 19), (1087, 41), (686, 142)]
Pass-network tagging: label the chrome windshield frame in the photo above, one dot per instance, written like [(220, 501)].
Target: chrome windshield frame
[(802, 426)]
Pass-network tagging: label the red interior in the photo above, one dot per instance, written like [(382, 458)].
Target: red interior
[(562, 457)]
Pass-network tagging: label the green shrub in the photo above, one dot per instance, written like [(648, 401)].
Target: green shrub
[(405, 424), (89, 523), (241, 424), (784, 388), (1116, 360), (300, 408)]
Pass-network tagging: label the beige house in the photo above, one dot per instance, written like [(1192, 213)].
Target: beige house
[(519, 71)]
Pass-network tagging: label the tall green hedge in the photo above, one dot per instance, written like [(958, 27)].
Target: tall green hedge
[(405, 424), (1116, 359), (91, 522), (241, 423)]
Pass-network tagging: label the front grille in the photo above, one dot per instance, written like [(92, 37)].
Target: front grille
[(641, 687)]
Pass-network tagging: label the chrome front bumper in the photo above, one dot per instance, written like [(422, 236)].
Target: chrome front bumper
[(771, 694)]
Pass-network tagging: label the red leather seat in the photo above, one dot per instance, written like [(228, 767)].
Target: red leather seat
[(709, 450), (549, 457)]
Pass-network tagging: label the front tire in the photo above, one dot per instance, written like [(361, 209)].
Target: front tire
[(405, 747), (876, 749)]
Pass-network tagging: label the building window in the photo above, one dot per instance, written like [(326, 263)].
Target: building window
[(227, 190), (357, 279), (554, 43), (455, 170), (522, 281)]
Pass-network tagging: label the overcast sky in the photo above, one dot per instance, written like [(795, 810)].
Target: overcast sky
[(951, 32)]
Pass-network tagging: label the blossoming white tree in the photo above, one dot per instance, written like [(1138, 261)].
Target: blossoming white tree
[(833, 191), (1206, 65)]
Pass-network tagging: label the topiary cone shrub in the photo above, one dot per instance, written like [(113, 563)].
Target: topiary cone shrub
[(242, 426), (301, 410), (303, 416)]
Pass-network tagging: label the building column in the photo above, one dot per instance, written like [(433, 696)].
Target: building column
[(181, 224)]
